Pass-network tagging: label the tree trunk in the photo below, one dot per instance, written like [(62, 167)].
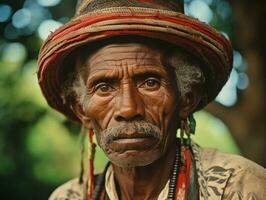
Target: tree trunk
[(246, 120)]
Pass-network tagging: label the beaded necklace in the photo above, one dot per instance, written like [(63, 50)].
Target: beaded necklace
[(174, 175)]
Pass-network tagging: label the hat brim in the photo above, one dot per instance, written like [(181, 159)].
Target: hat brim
[(200, 39)]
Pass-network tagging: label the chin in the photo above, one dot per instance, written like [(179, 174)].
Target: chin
[(134, 158)]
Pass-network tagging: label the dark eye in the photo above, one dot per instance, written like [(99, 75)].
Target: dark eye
[(151, 84), (103, 88)]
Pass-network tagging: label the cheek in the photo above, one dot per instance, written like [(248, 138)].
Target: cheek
[(99, 110), (170, 105), (160, 112), (160, 108)]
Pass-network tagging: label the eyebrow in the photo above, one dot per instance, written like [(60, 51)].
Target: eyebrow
[(98, 79), (147, 75), (138, 75)]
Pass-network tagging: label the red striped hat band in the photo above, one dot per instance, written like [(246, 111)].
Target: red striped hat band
[(173, 27)]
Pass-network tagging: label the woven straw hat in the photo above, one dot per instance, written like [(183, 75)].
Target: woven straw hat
[(159, 19)]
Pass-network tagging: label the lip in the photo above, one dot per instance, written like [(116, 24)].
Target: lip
[(132, 136), (140, 142)]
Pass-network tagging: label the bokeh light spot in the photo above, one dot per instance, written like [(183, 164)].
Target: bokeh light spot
[(5, 12), (228, 95), (47, 27), (14, 52), (38, 14), (237, 62), (243, 81), (199, 9), (48, 3), (21, 18)]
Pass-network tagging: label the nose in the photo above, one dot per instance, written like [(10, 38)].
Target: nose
[(129, 105)]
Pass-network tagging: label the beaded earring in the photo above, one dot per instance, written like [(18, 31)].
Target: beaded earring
[(187, 127)]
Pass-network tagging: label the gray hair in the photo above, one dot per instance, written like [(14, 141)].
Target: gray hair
[(187, 73), (187, 70)]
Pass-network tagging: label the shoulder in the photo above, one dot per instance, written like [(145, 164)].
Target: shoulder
[(71, 190), (229, 176), (211, 157)]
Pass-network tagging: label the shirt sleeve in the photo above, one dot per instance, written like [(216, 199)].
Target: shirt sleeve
[(71, 190)]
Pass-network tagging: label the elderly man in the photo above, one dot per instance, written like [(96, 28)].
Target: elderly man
[(134, 72)]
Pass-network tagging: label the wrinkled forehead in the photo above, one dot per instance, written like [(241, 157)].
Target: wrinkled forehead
[(127, 53), (136, 51)]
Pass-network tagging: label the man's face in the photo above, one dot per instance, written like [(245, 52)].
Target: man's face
[(131, 102)]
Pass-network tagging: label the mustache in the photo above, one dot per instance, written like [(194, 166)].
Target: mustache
[(129, 129)]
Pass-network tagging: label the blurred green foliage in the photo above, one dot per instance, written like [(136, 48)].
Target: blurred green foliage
[(39, 148)]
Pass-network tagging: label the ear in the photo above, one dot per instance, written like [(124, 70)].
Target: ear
[(189, 102), (79, 112)]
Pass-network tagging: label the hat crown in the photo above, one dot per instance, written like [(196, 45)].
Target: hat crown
[(86, 6), (164, 20)]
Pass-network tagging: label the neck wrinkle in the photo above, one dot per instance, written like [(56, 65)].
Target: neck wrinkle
[(145, 182)]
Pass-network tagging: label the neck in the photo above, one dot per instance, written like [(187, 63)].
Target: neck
[(145, 182)]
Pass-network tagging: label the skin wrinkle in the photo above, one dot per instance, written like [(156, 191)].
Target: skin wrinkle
[(130, 105), (124, 82), (109, 117), (186, 69), (159, 111), (138, 58), (158, 107)]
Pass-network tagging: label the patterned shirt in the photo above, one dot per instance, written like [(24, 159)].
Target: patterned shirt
[(214, 176)]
